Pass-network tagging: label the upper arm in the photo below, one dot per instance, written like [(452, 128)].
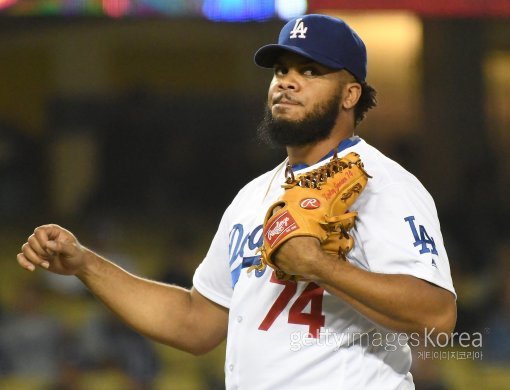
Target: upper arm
[(209, 320), (398, 232)]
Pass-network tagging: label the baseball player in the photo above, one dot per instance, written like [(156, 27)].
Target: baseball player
[(346, 323)]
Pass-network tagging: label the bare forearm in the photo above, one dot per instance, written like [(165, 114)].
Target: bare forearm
[(162, 312), (175, 316), (401, 303)]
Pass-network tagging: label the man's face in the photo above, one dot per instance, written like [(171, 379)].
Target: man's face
[(303, 104)]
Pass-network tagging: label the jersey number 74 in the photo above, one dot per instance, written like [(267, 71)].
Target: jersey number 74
[(312, 294)]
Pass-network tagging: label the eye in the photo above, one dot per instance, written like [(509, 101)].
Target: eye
[(310, 71), (280, 70)]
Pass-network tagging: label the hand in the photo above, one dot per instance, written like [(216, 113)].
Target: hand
[(54, 248), (300, 256)]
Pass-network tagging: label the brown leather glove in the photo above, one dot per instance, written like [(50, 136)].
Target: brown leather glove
[(315, 204)]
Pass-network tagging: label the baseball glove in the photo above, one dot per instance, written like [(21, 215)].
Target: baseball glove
[(315, 204)]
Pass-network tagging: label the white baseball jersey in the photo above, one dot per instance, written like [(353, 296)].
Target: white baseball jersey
[(296, 335)]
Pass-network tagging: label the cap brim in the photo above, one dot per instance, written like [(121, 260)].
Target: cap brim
[(267, 55)]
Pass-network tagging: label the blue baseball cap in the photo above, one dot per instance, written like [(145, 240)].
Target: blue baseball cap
[(322, 38)]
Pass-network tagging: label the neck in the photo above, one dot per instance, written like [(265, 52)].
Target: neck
[(310, 154)]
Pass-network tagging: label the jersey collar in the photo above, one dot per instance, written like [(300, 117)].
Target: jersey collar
[(346, 143)]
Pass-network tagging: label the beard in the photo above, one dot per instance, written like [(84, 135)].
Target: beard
[(315, 127)]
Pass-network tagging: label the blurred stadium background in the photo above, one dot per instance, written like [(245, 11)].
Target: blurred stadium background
[(111, 111)]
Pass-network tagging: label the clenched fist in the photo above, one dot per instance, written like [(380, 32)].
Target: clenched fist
[(54, 248)]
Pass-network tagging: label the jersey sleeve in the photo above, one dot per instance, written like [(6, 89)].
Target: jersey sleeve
[(212, 277), (399, 233)]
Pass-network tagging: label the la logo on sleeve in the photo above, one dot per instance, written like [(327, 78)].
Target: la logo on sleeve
[(421, 237)]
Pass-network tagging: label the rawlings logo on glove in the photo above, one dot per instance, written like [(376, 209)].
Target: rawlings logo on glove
[(280, 227), (315, 204)]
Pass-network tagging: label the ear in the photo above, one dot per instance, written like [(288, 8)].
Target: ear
[(351, 95)]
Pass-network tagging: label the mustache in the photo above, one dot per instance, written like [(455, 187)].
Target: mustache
[(285, 97)]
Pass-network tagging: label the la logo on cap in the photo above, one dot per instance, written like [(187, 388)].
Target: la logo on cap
[(299, 29)]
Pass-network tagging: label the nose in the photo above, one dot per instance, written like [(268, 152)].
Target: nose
[(288, 81)]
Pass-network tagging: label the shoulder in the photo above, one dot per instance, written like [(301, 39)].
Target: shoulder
[(384, 171), (258, 187), (390, 179)]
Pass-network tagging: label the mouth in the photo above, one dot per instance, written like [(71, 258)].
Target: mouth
[(285, 103)]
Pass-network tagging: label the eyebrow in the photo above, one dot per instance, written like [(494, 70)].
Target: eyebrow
[(303, 62)]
